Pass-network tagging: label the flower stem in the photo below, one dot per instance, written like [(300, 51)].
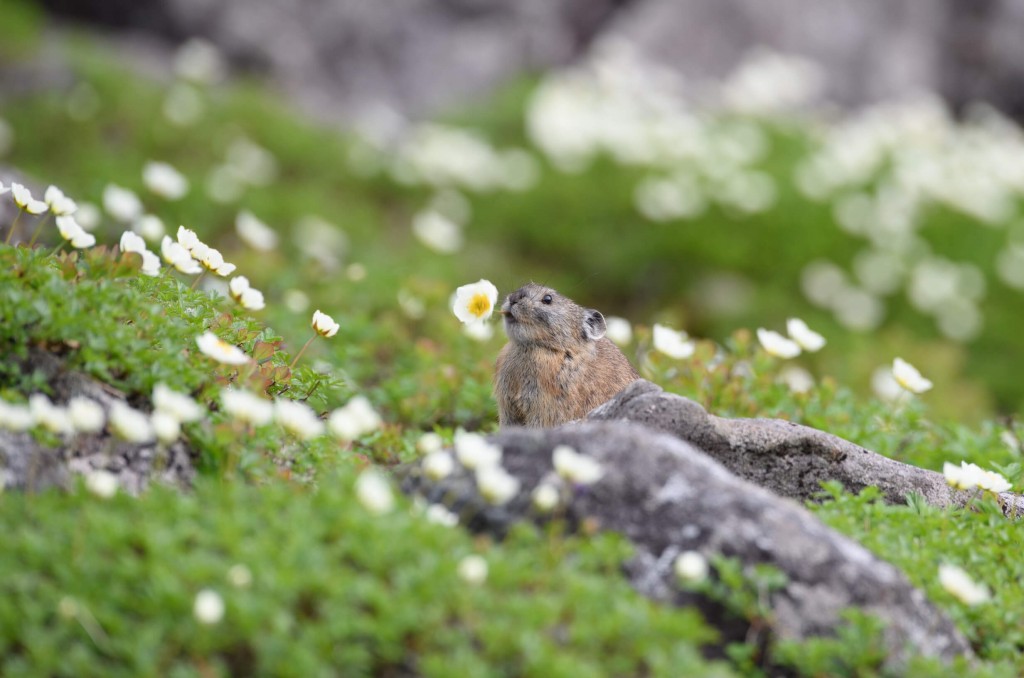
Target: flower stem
[(56, 249), (39, 228), (198, 278), (14, 226), (301, 351)]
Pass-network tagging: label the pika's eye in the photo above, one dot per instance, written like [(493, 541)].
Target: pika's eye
[(546, 299)]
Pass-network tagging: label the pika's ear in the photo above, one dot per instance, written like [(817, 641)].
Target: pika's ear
[(594, 325)]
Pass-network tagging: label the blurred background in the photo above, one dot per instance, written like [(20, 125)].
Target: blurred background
[(711, 164)]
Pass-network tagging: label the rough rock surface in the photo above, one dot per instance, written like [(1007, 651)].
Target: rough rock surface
[(25, 464), (668, 497), (786, 458)]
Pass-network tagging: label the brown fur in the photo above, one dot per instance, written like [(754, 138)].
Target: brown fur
[(557, 365)]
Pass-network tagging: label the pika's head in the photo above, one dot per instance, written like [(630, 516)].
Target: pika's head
[(539, 315)]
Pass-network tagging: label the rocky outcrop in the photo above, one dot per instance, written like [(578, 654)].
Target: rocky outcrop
[(668, 497)]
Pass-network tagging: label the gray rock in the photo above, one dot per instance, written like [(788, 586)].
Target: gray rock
[(668, 497), (786, 458)]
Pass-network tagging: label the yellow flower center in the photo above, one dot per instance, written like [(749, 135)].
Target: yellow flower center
[(479, 305)]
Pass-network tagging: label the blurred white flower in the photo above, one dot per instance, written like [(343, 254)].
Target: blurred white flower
[(208, 607), (475, 452), (437, 232), (374, 492), (53, 418), (808, 339), (429, 442), (354, 420), (188, 239), (24, 200), (324, 324), (73, 233), (411, 305), (321, 241), (618, 330), (545, 497), (251, 163), (121, 203), (249, 297), (355, 272), (129, 424), (254, 232), (297, 418), (577, 468), (776, 344), (691, 567), (239, 576), (475, 302), (908, 377), (213, 346), (150, 227), (961, 586), (885, 385), (478, 331), (166, 426), (439, 514), (247, 406), (674, 344), (87, 415), (183, 105), (131, 242), (15, 417), (199, 61), (297, 301), (179, 405), (101, 483), (962, 477), (438, 464), (178, 257), (497, 486), (212, 260), (164, 180), (88, 216), (796, 378), (993, 482), (59, 204), (473, 570)]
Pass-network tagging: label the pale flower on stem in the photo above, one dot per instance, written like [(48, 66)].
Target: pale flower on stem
[(777, 345), (475, 302), (961, 586), (297, 418), (674, 344), (247, 406), (164, 180), (121, 203), (808, 339), (908, 377), (374, 492), (214, 347), (60, 205), (177, 256)]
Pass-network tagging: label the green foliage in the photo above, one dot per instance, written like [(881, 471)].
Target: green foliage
[(333, 589)]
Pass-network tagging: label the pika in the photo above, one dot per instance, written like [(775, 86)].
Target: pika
[(557, 364)]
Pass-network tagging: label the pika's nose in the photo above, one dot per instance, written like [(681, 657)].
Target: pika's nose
[(515, 297)]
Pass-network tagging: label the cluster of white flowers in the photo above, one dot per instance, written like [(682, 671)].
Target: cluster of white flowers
[(673, 343), (249, 297), (801, 338), (297, 418), (354, 420), (374, 492), (576, 468), (131, 242), (969, 476), (246, 406), (961, 586)]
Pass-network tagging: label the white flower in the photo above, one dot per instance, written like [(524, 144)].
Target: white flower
[(437, 232), (51, 417), (149, 227), (297, 301), (88, 216), (354, 420), (165, 181), (166, 426), (179, 405), (908, 377), (208, 607), (438, 464), (131, 242), (23, 199), (73, 233), (178, 257), (618, 330), (691, 567), (674, 344), (213, 260), (101, 483), (475, 302), (374, 492), (240, 576), (478, 331), (473, 570), (545, 497), (776, 344), (993, 482), (497, 486), (16, 417), (254, 232), (808, 339), (437, 513), (249, 297), (221, 351), (129, 424), (475, 452), (199, 61), (961, 586), (187, 238), (429, 442), (962, 477), (247, 406), (297, 418), (575, 467), (796, 378), (87, 415), (355, 272), (59, 204), (324, 324), (121, 203)]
